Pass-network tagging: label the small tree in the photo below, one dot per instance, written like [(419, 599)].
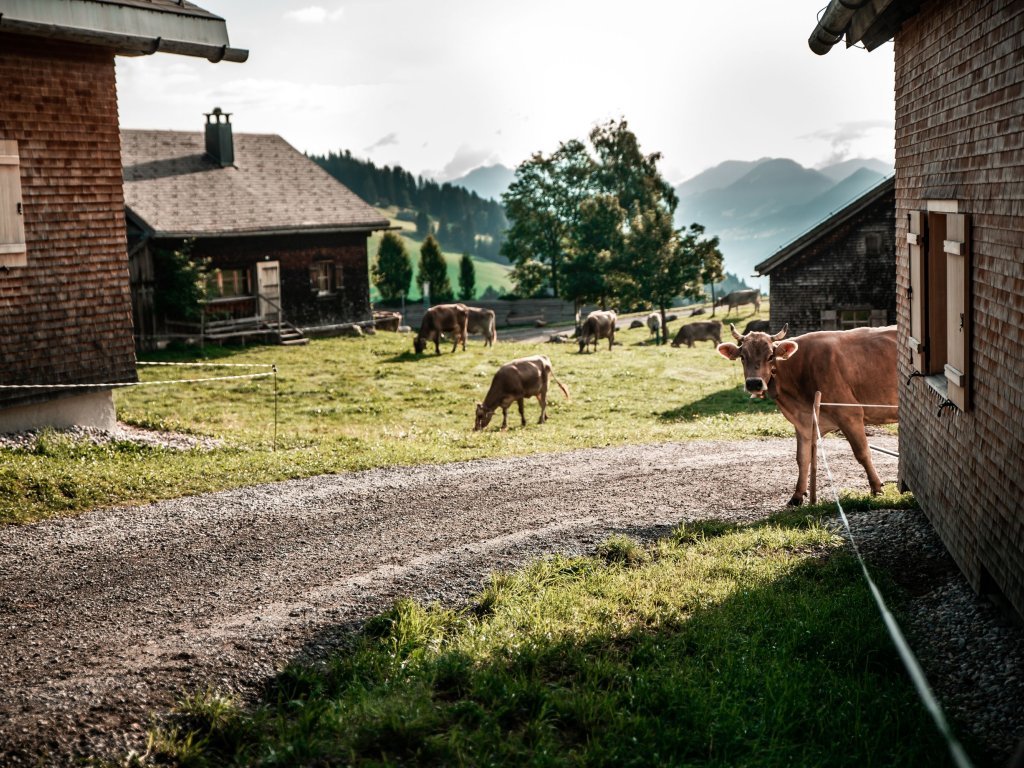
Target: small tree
[(182, 283), (392, 272), (422, 223), (433, 269), (467, 278)]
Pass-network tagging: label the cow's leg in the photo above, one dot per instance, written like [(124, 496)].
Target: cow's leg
[(542, 398), (437, 343), (853, 428), (522, 412), (804, 441), (504, 418)]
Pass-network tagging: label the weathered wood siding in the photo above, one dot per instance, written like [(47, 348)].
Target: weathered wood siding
[(839, 272), (960, 137), (66, 316)]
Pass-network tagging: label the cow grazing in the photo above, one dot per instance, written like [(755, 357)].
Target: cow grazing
[(707, 330), (757, 325), (482, 321), (443, 318), (856, 367), (735, 299), (654, 323), (515, 381), (600, 324)]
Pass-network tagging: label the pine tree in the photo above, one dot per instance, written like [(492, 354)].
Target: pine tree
[(392, 273), (467, 278), (434, 270)]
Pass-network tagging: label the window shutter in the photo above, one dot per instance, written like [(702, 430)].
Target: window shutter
[(829, 320), (917, 246), (958, 309), (12, 221), (879, 318)]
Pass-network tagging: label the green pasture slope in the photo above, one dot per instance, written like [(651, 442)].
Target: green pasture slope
[(487, 272)]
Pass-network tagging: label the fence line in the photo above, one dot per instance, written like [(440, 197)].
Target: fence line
[(910, 662)]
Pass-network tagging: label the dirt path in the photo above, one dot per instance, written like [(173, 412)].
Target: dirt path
[(107, 618)]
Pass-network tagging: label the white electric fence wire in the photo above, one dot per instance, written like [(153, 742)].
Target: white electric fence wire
[(910, 661), (211, 365)]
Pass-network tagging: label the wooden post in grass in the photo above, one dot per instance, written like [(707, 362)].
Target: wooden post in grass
[(814, 447)]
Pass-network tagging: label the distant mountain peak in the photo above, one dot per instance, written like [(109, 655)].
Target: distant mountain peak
[(488, 181)]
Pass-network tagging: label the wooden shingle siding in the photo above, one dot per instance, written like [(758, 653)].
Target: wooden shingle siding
[(65, 317), (959, 136)]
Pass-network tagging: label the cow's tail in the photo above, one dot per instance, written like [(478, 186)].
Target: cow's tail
[(561, 386), (493, 330)]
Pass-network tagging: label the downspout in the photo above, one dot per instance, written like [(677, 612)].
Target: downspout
[(832, 24)]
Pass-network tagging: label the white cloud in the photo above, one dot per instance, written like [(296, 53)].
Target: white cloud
[(314, 14), (383, 141), (465, 160)]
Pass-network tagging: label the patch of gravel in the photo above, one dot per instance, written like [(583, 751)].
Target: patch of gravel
[(105, 619), (177, 441)]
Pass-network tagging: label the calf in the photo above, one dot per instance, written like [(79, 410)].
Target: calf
[(442, 318), (482, 321), (855, 369), (654, 323), (515, 381), (708, 330), (600, 324), (757, 325)]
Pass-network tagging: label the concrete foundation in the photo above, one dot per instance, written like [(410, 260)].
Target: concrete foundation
[(95, 409)]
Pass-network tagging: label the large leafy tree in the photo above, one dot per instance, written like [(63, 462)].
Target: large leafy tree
[(433, 269), (593, 222), (392, 272)]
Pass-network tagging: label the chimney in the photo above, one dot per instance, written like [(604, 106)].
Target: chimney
[(219, 143)]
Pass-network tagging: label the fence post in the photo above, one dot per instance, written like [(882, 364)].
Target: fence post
[(814, 447)]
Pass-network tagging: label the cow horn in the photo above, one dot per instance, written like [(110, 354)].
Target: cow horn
[(781, 334), (734, 334)]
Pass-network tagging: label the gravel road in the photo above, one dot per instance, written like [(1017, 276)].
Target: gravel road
[(107, 618)]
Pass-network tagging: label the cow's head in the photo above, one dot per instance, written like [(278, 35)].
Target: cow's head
[(483, 417), (759, 352), (419, 344)]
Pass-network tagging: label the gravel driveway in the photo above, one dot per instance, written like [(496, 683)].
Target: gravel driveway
[(107, 618)]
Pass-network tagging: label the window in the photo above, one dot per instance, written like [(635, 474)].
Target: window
[(854, 318), (229, 283), (12, 220), (938, 240), (320, 277), (872, 244)]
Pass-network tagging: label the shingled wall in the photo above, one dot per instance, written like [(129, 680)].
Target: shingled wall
[(66, 316), (959, 137)]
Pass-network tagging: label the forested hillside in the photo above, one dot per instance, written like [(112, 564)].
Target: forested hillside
[(461, 220)]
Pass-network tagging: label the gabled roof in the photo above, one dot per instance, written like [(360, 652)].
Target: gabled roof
[(826, 227), (131, 27), (174, 189)]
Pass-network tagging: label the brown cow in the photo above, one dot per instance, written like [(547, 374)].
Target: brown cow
[(443, 318), (514, 381), (482, 321), (708, 330), (857, 367), (600, 324), (735, 299)]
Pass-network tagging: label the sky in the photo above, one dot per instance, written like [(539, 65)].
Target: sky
[(442, 87)]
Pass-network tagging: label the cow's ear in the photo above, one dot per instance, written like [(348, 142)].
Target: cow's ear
[(729, 350), (786, 349)]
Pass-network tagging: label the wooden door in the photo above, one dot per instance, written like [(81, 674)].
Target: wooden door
[(268, 286)]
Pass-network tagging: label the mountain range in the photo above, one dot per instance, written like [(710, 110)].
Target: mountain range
[(754, 207)]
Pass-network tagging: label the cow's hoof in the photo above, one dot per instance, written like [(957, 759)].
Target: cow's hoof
[(796, 501)]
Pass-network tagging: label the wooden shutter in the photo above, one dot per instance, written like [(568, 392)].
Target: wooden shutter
[(916, 292), (829, 319), (958, 309), (12, 221), (879, 318)]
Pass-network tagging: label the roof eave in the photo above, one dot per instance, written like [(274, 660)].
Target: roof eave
[(868, 22), (128, 30), (809, 238), (274, 231)]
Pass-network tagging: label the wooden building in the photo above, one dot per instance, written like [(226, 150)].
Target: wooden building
[(65, 311), (841, 273), (284, 243), (959, 268)]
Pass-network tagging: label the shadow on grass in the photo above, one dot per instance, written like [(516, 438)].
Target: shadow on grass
[(795, 669), (726, 401)]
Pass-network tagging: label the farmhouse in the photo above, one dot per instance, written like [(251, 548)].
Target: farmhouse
[(65, 310), (959, 268), (842, 273), (283, 243)]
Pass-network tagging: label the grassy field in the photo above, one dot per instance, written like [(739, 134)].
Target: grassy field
[(349, 404), (488, 273)]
